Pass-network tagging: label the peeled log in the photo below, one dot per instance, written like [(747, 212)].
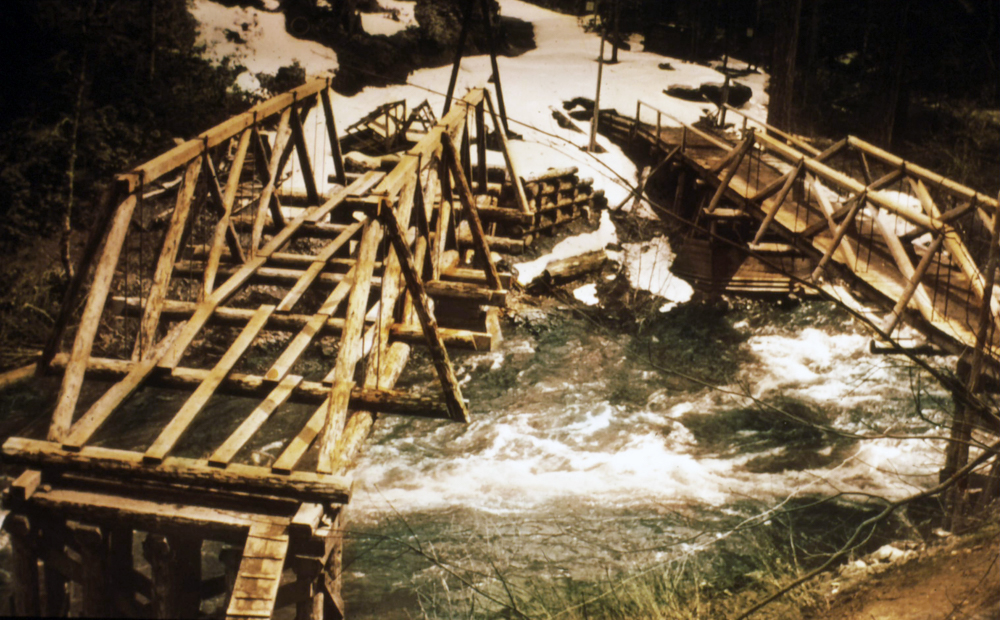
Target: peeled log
[(567, 269)]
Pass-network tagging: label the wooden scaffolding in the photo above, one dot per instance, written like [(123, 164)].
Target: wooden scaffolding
[(233, 353)]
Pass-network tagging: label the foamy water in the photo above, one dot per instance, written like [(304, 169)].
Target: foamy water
[(587, 418), (581, 453)]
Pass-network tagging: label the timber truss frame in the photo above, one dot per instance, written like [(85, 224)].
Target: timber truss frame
[(211, 288), (923, 244)]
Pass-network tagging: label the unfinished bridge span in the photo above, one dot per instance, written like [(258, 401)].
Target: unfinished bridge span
[(246, 271), (250, 307)]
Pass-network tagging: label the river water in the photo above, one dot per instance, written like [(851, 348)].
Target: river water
[(589, 459)]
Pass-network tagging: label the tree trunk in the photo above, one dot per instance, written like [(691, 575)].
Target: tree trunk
[(786, 45), (809, 71), (888, 88), (615, 40)]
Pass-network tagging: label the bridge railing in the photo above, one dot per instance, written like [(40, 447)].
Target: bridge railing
[(880, 213)]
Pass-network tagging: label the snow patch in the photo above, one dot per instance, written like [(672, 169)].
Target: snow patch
[(648, 267), (569, 247), (587, 294), (267, 47)]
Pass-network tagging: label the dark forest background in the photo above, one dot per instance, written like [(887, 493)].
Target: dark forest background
[(918, 77)]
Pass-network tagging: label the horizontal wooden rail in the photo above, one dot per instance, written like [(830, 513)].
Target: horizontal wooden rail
[(174, 310), (239, 384), (701, 134), (183, 153), (304, 486)]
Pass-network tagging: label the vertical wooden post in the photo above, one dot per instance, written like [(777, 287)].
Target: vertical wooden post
[(459, 49), (25, 566), (298, 135), (469, 207), (229, 557), (957, 454), (679, 193), (94, 556), (481, 169), (176, 565), (488, 18), (331, 130), (597, 98), (52, 536), (333, 602), (635, 125), (515, 179), (120, 563)]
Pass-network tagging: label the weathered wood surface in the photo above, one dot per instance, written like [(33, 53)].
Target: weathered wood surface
[(184, 471), (567, 269), (174, 310), (846, 233), (256, 587)]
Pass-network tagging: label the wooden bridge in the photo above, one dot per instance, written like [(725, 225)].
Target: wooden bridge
[(247, 318), (251, 306), (906, 239)]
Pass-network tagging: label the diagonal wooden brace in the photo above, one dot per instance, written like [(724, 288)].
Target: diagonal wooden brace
[(911, 287), (469, 206), (787, 187), (739, 153), (452, 393)]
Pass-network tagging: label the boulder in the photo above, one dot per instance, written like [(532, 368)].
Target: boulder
[(739, 94), (687, 93)]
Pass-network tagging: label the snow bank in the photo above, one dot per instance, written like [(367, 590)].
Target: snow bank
[(568, 247), (267, 46), (648, 265)]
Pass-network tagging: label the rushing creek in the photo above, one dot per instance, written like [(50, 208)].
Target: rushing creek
[(589, 457)]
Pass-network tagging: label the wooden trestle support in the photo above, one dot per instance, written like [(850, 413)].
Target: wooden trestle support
[(208, 292)]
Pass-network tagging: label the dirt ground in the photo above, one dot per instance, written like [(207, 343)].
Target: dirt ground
[(956, 580)]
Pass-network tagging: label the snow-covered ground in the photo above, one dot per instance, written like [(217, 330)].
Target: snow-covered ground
[(267, 46), (562, 67), (399, 17)]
